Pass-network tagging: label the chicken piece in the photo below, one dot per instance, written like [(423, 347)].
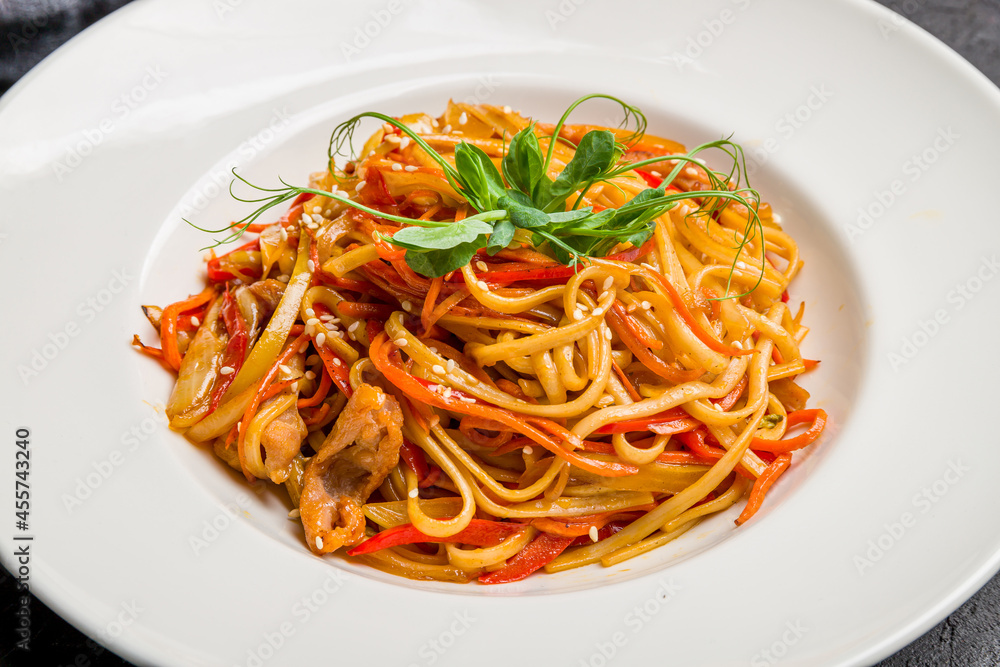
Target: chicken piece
[(282, 440), (351, 463)]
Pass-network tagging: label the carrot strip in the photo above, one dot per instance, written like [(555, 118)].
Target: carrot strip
[(463, 403), (168, 324), (761, 486), (320, 393), (616, 319), (815, 417), (710, 341)]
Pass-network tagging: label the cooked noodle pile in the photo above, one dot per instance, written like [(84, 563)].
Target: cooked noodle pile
[(516, 413)]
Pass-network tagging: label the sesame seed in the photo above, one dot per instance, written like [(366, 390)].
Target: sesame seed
[(310, 312), (194, 321), (447, 392), (506, 109), (403, 143), (656, 174), (393, 139), (321, 339), (598, 312), (397, 167), (306, 219), (317, 209), (239, 426), (294, 386), (741, 265), (312, 265), (363, 171), (717, 407), (407, 306), (413, 493), (582, 306), (593, 533), (481, 265), (433, 387), (631, 308), (284, 234), (577, 314), (283, 278), (360, 185), (646, 305), (294, 514), (400, 342), (528, 450), (446, 129), (433, 349), (482, 285), (317, 218), (312, 359), (434, 122), (312, 225), (304, 346), (438, 368), (450, 365), (285, 369), (387, 127), (310, 330), (227, 370), (337, 361), (467, 399), (410, 168), (319, 542), (608, 282), (310, 375), (738, 345), (354, 327), (607, 334), (463, 119)]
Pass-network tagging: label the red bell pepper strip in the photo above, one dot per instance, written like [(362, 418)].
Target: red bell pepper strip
[(816, 416), (643, 423), (236, 348), (168, 324), (537, 554), (761, 486), (335, 366), (479, 533), (729, 400), (380, 311), (219, 272), (414, 458)]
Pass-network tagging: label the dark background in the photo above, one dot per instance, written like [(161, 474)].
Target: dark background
[(31, 29)]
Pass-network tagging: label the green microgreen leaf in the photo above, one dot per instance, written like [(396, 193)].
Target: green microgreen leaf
[(480, 181), (440, 238), (521, 210), (503, 234), (436, 263)]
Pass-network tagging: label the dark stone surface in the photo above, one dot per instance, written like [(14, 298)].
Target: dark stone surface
[(31, 29)]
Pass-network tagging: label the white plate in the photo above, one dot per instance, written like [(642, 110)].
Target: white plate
[(874, 142)]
